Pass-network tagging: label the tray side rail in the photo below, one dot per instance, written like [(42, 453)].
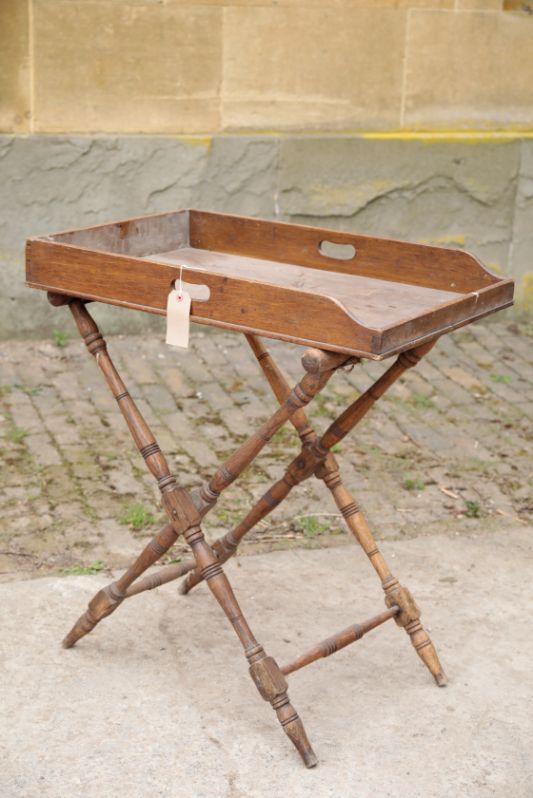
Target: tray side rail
[(382, 258)]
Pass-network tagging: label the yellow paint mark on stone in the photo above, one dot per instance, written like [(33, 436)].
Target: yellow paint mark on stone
[(197, 141), (448, 136), (429, 136), (458, 240)]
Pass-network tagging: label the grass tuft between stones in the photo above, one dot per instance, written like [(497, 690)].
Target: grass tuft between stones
[(137, 516), (94, 568), (414, 484), (60, 337)]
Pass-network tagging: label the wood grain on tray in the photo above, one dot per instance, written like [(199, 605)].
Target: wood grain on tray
[(360, 295)]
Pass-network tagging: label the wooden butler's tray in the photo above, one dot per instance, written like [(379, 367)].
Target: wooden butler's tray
[(365, 296), (356, 295)]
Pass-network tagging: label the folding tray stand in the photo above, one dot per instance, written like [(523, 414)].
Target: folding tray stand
[(347, 296)]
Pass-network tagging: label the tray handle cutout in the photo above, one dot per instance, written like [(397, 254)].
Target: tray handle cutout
[(332, 249), (196, 291)]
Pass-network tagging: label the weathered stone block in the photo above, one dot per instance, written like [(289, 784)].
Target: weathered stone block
[(122, 67), (14, 66), (325, 68), (240, 176), (470, 70)]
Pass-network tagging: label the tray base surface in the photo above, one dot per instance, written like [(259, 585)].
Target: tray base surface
[(371, 301)]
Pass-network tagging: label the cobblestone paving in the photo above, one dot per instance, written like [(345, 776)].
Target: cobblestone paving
[(447, 450)]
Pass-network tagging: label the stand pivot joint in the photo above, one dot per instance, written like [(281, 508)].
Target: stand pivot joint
[(268, 678), (401, 597)]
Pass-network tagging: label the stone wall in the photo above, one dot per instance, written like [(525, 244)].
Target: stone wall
[(192, 66)]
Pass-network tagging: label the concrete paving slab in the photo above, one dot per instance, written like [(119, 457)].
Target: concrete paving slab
[(157, 701)]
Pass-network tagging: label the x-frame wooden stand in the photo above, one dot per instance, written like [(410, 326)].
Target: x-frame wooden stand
[(186, 510)]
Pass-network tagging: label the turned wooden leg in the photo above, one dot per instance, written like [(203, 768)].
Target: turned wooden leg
[(226, 546), (300, 469), (358, 409), (110, 597), (264, 670), (185, 517), (314, 452), (409, 619), (395, 594), (327, 469), (176, 501), (320, 367)]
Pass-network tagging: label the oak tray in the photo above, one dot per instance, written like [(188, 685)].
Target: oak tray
[(365, 296)]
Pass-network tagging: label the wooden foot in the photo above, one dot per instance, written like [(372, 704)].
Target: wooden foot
[(409, 619), (264, 670), (101, 605), (395, 594), (272, 686), (109, 598), (295, 731), (427, 653)]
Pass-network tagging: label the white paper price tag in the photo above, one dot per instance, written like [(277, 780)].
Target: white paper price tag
[(178, 318)]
